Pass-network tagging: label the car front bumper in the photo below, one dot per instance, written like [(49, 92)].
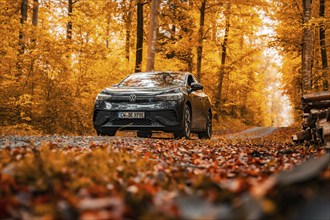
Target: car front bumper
[(159, 116)]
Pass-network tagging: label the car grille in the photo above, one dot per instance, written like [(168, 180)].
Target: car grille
[(102, 117)]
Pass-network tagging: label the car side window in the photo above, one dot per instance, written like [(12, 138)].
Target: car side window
[(190, 80)]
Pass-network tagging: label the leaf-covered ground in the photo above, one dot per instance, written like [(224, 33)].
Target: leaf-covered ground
[(62, 177)]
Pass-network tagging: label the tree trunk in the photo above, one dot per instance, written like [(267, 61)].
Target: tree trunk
[(128, 21), (21, 44), (69, 24), (189, 58), (200, 40), (323, 49), (307, 47), (35, 13), (218, 96), (139, 37), (24, 11), (152, 36)]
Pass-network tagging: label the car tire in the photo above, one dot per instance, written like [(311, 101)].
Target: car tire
[(207, 134), (186, 129), (144, 134)]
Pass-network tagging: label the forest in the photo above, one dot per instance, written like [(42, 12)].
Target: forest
[(260, 61), (255, 58)]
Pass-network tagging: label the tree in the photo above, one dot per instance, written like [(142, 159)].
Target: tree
[(324, 57), (152, 36), (139, 37), (218, 95), (307, 47), (35, 12), (21, 43), (69, 23), (200, 39), (35, 16), (128, 14)]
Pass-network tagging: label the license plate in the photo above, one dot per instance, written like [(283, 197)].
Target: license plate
[(130, 114)]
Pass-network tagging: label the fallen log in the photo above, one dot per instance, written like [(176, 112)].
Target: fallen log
[(319, 96)]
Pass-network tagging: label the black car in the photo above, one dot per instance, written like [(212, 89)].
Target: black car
[(154, 101)]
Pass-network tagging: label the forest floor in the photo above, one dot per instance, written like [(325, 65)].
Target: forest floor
[(257, 173)]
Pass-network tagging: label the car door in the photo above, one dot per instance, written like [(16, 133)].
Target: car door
[(205, 106), (196, 97)]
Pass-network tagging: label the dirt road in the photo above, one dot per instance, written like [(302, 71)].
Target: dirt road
[(85, 141), (253, 133)]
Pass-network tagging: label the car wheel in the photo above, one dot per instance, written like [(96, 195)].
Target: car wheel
[(144, 134), (186, 130), (207, 134)]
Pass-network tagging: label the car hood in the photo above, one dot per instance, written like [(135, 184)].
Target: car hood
[(139, 91)]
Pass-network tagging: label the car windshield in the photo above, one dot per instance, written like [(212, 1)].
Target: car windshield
[(158, 79)]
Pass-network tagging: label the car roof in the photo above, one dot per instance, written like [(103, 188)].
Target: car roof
[(175, 72), (167, 71)]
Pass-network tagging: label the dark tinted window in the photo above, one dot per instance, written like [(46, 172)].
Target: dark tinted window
[(190, 80), (162, 79)]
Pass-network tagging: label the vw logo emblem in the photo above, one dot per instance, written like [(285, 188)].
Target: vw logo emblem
[(132, 98)]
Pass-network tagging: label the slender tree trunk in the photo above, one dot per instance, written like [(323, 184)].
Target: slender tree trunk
[(107, 32), (35, 16), (69, 24), (189, 58), (128, 21), (152, 36), (223, 63), (200, 40), (24, 12), (35, 13), (21, 44), (139, 37), (307, 47), (323, 49)]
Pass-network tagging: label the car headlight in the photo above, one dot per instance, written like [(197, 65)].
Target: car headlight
[(171, 96), (102, 97)]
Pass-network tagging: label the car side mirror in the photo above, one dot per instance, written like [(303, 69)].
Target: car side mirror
[(196, 86)]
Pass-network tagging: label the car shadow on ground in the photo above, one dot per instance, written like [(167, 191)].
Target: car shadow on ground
[(155, 135)]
